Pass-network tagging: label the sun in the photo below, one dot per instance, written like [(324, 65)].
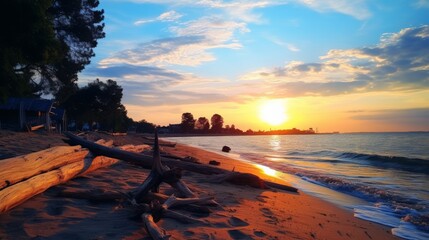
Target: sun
[(273, 112)]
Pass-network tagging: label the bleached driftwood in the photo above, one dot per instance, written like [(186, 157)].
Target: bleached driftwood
[(18, 193), (19, 168)]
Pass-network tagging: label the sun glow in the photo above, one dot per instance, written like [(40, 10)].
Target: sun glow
[(268, 171), (273, 112)]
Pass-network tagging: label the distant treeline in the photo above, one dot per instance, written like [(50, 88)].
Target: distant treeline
[(202, 126)]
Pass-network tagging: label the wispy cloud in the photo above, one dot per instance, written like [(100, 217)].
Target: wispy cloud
[(356, 8), (169, 16), (422, 4), (400, 62), (291, 47), (190, 46)]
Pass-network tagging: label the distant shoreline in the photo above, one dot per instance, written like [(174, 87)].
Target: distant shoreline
[(232, 135), (269, 134)]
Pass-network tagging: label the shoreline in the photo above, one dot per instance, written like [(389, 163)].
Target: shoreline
[(229, 163), (246, 212)]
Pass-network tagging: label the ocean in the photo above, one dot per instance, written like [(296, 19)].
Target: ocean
[(381, 177)]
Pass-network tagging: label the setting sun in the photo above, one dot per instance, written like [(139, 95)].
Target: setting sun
[(273, 112)]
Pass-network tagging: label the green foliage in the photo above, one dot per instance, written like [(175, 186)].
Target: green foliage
[(99, 102)]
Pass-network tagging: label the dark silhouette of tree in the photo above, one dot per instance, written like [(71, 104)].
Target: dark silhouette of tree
[(44, 45), (145, 127), (217, 123), (99, 102), (188, 122), (26, 42), (78, 25), (202, 124)]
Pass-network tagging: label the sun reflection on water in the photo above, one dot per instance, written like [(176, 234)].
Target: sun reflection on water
[(275, 142)]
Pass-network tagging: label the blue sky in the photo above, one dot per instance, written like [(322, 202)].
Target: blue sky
[(351, 60)]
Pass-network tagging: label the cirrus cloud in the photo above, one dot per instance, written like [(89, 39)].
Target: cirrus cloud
[(169, 16), (189, 47)]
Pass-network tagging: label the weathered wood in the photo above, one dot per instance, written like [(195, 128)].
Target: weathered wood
[(19, 168), (183, 189), (146, 161), (175, 201), (18, 193), (101, 195), (154, 231), (281, 186), (182, 217), (159, 210), (155, 177)]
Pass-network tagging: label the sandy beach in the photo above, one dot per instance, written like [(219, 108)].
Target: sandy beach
[(243, 212)]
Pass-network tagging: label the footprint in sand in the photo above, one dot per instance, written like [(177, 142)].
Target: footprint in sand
[(266, 211), (270, 215), (188, 233), (259, 233), (237, 234), (261, 198), (237, 222)]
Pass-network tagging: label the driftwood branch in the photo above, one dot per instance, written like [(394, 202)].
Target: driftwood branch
[(175, 201), (182, 217), (147, 161), (154, 231), (155, 178)]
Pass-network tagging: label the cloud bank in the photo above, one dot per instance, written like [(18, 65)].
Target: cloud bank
[(400, 62)]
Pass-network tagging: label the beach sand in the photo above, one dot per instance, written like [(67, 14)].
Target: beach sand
[(244, 212)]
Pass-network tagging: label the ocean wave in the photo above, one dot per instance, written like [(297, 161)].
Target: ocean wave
[(395, 162), (391, 162), (406, 207)]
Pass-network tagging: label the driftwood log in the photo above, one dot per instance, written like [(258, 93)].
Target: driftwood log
[(19, 168), (18, 193), (146, 161)]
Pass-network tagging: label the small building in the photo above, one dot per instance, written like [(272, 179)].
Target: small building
[(30, 114)]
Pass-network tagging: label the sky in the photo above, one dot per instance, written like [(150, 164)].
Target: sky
[(334, 65)]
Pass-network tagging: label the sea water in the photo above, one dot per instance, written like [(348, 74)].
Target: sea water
[(382, 177)]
